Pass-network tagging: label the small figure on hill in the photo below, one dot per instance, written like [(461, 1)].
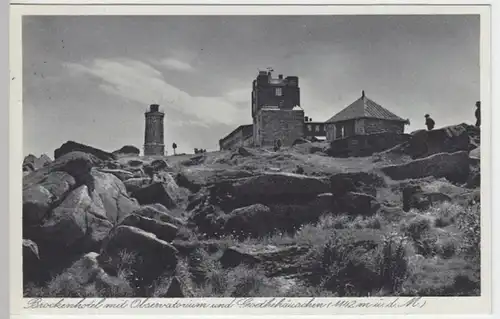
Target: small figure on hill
[(277, 145), (174, 146), (478, 113), (429, 122)]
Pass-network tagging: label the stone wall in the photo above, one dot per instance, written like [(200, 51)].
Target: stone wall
[(366, 145), (372, 126), (237, 138), (334, 130), (273, 124)]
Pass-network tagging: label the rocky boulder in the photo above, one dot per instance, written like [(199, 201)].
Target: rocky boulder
[(208, 219), (123, 175), (71, 146), (354, 203), (159, 165), (79, 223), (152, 256), (194, 160), (113, 195), (275, 260), (415, 197), (363, 182), (277, 186), (452, 166), (248, 220), (448, 139), (475, 157), (32, 267), (245, 152), (76, 164), (160, 213), (474, 180), (128, 150), (194, 178), (475, 153), (162, 230), (365, 145), (33, 163), (469, 198), (166, 193), (39, 199), (135, 163), (176, 289), (134, 184)]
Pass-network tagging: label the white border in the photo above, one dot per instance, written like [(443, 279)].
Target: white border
[(436, 305)]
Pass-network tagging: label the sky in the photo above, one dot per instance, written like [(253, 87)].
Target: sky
[(91, 78)]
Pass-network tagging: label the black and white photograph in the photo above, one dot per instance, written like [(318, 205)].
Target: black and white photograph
[(214, 156)]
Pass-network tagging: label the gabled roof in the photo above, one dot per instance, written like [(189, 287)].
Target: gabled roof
[(364, 108)]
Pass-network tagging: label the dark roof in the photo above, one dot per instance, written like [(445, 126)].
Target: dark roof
[(364, 108)]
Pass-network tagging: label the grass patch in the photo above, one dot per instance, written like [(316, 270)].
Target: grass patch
[(86, 279)]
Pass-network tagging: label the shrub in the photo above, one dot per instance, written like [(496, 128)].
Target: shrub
[(447, 249), (426, 244), (442, 277), (299, 170), (333, 221), (392, 263), (416, 227), (343, 266), (468, 221), (446, 214), (80, 281)]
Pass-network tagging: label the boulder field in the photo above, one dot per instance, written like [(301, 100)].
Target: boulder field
[(88, 209)]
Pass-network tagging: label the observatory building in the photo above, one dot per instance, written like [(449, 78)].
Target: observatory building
[(153, 135)]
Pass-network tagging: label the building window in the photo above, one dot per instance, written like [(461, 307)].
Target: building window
[(279, 92), (309, 128), (317, 128), (342, 131)]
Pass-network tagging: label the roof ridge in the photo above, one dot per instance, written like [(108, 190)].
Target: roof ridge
[(368, 109)]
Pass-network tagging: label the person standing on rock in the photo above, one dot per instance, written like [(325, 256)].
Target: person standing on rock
[(478, 113), (429, 122)]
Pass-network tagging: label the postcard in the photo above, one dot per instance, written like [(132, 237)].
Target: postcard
[(258, 159)]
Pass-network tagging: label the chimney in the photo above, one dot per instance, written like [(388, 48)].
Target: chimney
[(154, 107), (280, 76), (363, 94), (310, 119), (306, 119)]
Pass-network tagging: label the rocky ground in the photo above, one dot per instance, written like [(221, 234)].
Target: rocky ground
[(255, 222)]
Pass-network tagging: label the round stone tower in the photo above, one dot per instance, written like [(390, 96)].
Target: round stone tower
[(153, 136)]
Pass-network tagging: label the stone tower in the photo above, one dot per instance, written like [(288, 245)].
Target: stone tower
[(153, 135), (274, 112)]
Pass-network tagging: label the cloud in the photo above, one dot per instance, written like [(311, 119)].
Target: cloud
[(241, 95), (177, 65), (139, 82)]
